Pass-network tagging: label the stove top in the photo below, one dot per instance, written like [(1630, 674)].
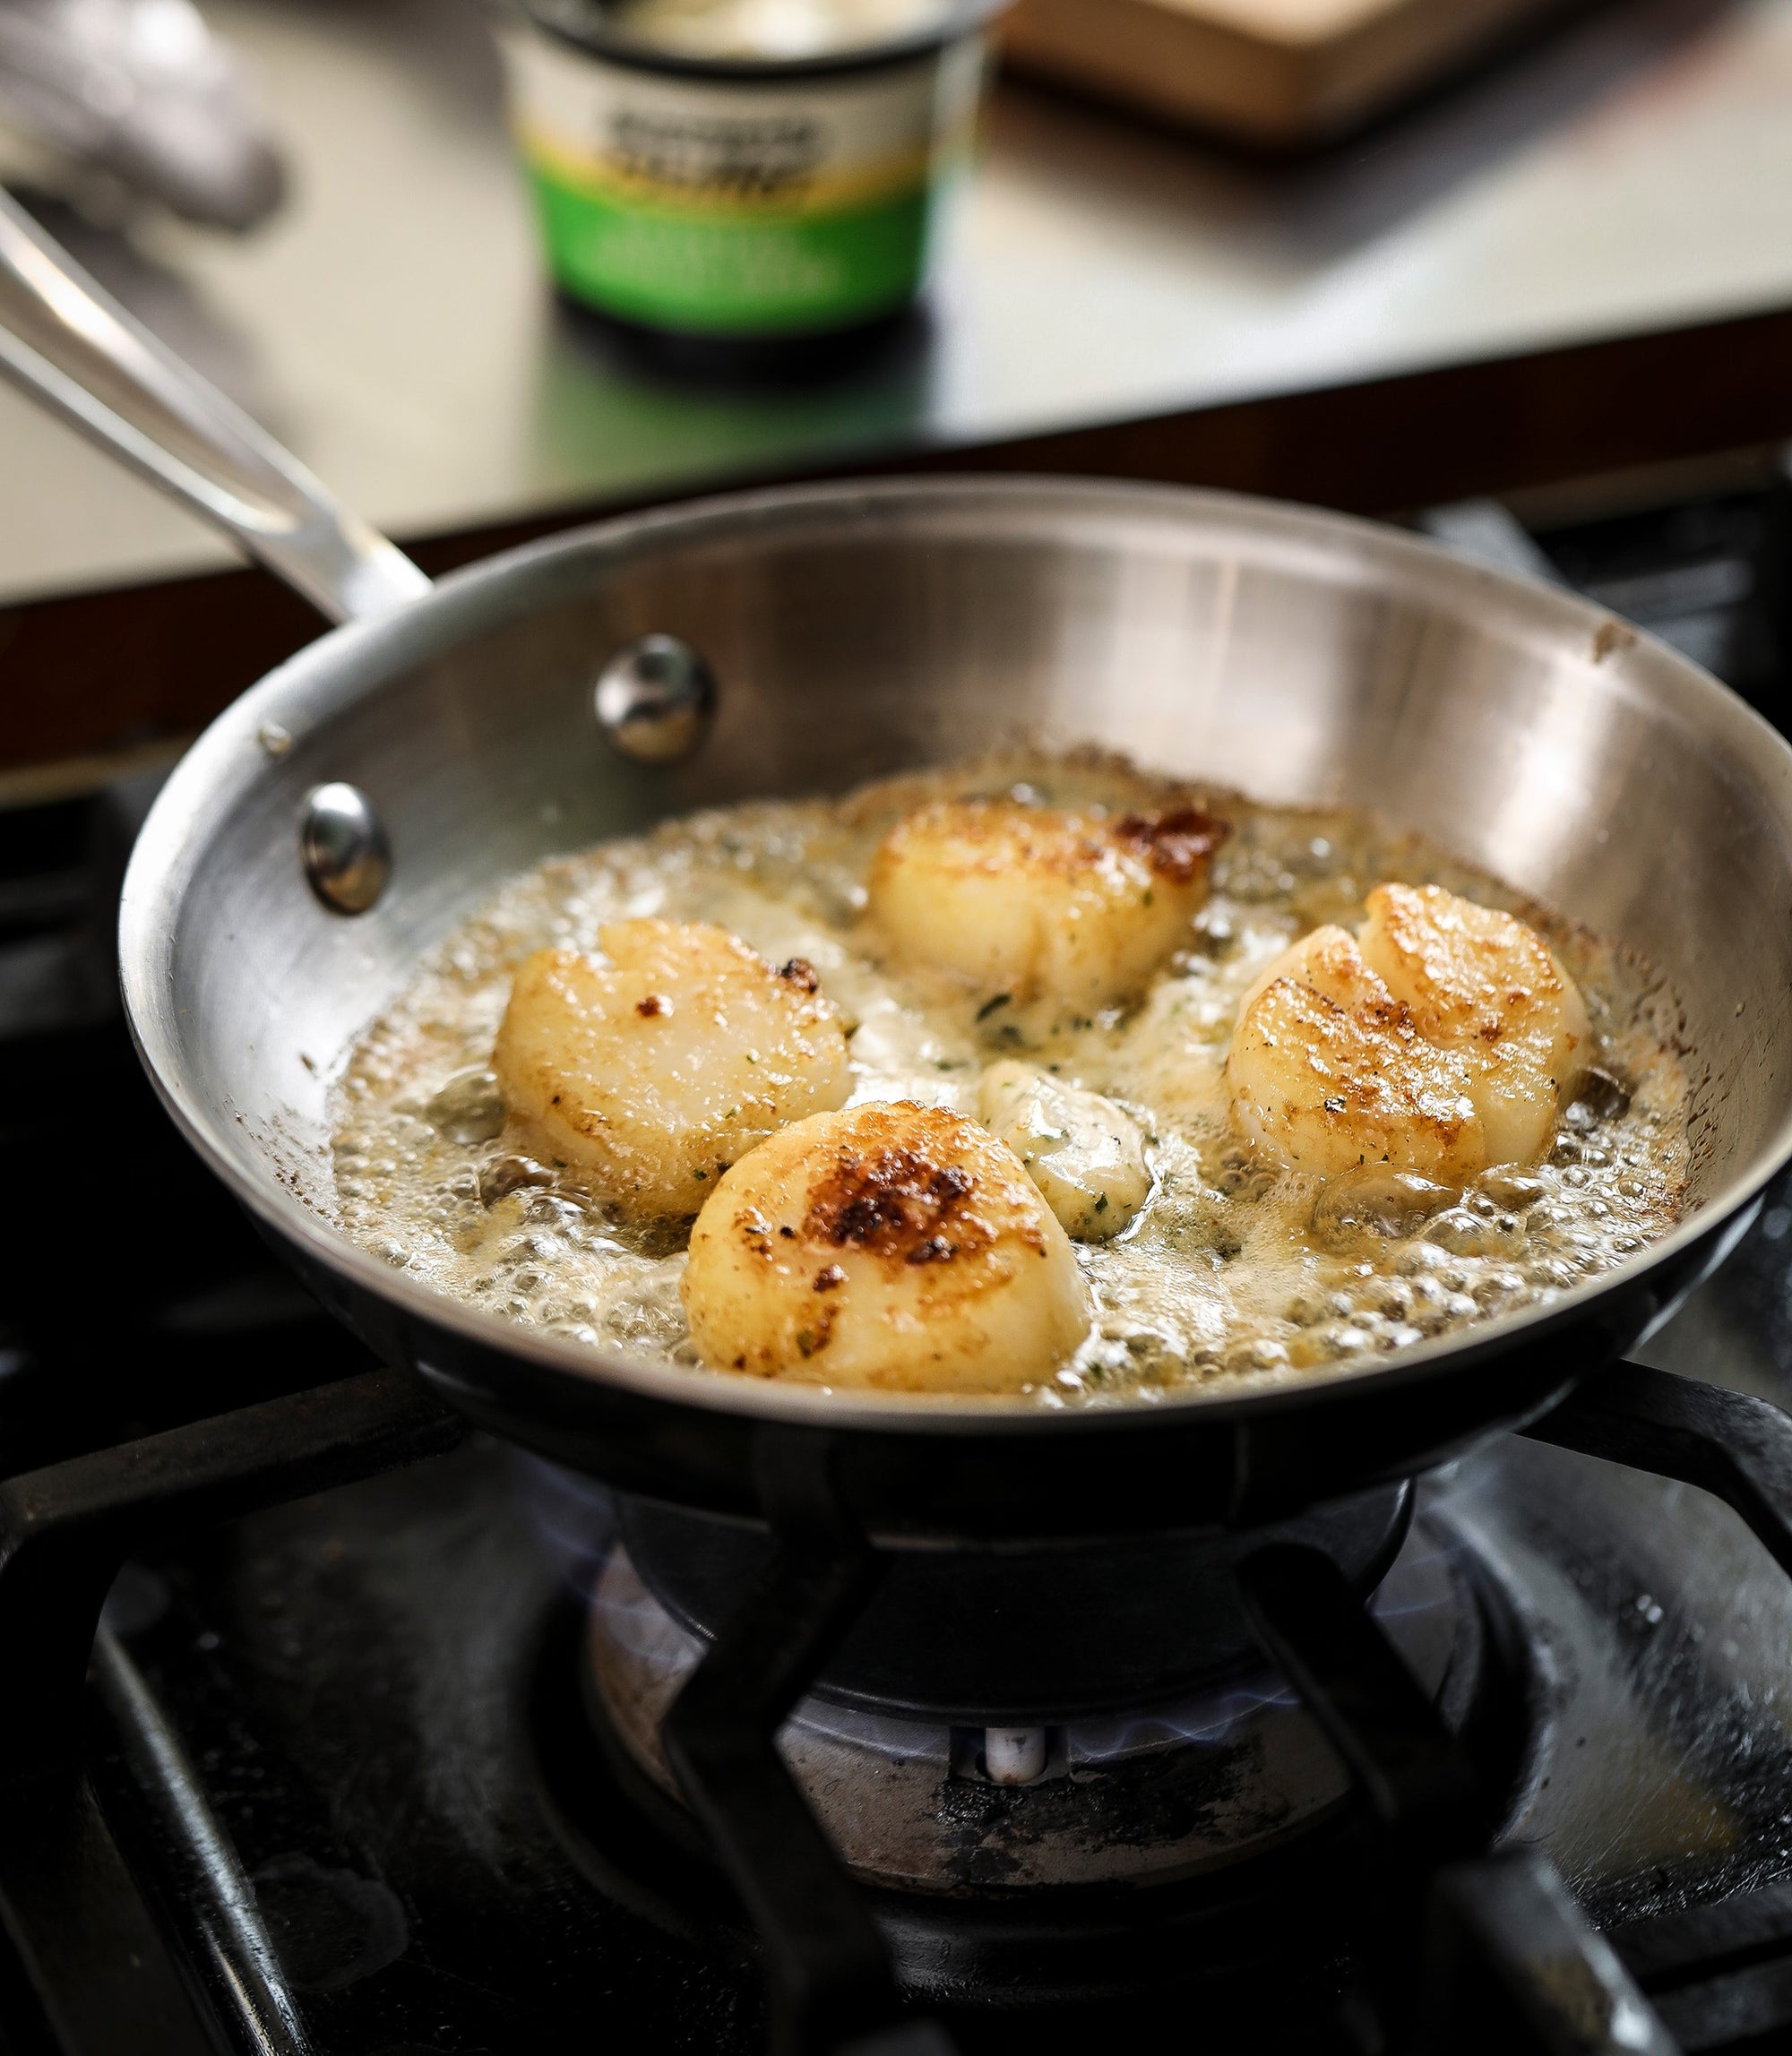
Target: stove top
[(368, 1758), (366, 1717)]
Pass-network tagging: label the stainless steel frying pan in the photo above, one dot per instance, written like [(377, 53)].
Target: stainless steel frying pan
[(854, 629)]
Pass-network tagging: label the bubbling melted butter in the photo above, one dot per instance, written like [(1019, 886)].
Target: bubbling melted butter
[(1231, 1273)]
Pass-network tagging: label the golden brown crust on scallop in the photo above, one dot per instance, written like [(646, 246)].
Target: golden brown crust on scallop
[(1485, 985), (1465, 970), (652, 1069), (1039, 904), (1178, 844), (1331, 1078), (891, 1245), (897, 1203)]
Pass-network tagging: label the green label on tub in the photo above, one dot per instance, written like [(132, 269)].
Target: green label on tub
[(728, 274), (716, 207)]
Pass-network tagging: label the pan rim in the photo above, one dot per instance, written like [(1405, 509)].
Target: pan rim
[(153, 891)]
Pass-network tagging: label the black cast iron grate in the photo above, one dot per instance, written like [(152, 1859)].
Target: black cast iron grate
[(1467, 1950)]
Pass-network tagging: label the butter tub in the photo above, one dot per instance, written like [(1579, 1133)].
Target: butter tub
[(740, 198)]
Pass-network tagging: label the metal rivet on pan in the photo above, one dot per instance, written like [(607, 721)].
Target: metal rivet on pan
[(655, 700), (343, 844)]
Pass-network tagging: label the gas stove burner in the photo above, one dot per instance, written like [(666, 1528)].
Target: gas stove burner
[(1188, 1783), (1020, 1637)]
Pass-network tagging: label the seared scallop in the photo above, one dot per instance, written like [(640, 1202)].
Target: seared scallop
[(1027, 904), (1484, 984), (1327, 1072), (652, 1068), (895, 1245), (1086, 1155)]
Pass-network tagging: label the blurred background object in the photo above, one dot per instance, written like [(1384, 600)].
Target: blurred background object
[(1572, 260), (743, 173), (141, 93), (1275, 71)]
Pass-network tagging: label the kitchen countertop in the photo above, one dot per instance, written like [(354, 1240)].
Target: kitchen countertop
[(1628, 175)]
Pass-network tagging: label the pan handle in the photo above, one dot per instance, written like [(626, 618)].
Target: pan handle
[(67, 342)]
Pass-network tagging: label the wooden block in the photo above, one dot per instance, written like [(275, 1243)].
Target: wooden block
[(1280, 71)]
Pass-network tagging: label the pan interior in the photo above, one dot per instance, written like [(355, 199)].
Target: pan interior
[(1300, 658)]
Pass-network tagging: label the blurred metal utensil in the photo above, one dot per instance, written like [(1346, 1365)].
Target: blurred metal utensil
[(63, 337), (142, 91)]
